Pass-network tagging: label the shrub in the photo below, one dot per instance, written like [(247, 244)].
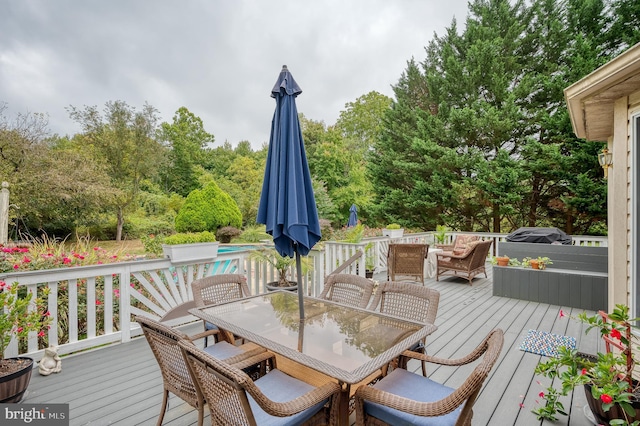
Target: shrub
[(254, 234), (227, 233), (190, 238), (208, 209)]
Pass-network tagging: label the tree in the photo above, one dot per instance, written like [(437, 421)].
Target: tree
[(208, 209), (55, 188), (124, 141), (186, 139)]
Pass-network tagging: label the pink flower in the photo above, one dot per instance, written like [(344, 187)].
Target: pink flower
[(66, 260), (41, 333), (541, 394), (19, 329), (16, 266), (561, 313), (521, 405), (47, 314), (606, 398), (2, 285), (26, 260), (98, 302), (24, 250)]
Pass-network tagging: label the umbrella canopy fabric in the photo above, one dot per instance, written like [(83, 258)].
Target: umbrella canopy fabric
[(287, 204), (353, 216)]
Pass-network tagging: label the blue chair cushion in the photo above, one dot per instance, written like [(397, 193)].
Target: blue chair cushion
[(280, 387), (208, 326), (223, 350), (409, 385)]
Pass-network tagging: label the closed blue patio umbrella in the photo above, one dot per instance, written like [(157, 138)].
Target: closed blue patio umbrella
[(287, 204), (353, 216)]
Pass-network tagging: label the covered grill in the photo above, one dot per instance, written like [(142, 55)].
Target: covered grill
[(539, 235)]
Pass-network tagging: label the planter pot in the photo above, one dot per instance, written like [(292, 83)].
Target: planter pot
[(273, 286), (615, 413), (502, 261), (535, 264), (393, 233), (368, 273), (182, 253), (14, 385)]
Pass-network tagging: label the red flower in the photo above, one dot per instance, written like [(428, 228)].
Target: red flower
[(606, 398), (16, 266), (41, 333), (66, 260), (2, 284), (541, 394), (561, 313), (19, 329), (98, 302), (584, 371), (26, 260), (615, 334)]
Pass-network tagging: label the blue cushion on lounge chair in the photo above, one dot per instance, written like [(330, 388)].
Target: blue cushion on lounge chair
[(280, 387), (223, 350), (409, 385), (208, 326)]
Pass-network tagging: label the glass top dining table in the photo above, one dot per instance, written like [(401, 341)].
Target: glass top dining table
[(343, 342)]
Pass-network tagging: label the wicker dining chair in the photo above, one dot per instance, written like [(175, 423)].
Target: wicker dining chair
[(274, 399), (406, 260), (410, 301), (348, 289), (406, 398), (176, 378), (468, 264), (218, 289)]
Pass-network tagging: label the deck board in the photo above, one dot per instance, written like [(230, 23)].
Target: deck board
[(121, 384)]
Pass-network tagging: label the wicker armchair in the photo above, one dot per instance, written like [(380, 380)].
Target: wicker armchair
[(348, 289), (407, 300), (406, 260), (275, 399), (406, 398), (218, 289), (176, 379), (459, 243), (468, 264)]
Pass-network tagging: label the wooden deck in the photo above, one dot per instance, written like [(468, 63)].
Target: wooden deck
[(121, 384)]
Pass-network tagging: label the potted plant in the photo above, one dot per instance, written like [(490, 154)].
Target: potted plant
[(20, 314), (611, 391), (369, 261), (537, 263), (282, 264), (393, 230), (501, 260), (190, 246), (441, 234)]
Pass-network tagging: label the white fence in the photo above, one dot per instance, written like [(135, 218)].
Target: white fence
[(94, 305)]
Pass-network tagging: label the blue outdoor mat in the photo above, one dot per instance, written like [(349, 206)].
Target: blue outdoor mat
[(545, 343)]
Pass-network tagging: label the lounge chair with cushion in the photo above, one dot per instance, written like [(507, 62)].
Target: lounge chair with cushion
[(274, 399), (467, 264), (405, 398), (460, 243)]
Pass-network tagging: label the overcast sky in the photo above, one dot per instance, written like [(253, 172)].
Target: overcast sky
[(218, 58)]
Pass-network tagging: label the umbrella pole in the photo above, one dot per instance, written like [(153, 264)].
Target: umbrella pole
[(300, 291)]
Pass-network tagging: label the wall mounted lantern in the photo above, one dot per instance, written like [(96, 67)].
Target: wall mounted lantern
[(605, 158)]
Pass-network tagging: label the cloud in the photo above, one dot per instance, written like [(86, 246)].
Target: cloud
[(219, 59)]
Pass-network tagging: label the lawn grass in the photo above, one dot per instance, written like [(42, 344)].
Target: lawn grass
[(125, 246)]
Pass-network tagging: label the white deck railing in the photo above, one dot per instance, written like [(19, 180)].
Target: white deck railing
[(94, 305)]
